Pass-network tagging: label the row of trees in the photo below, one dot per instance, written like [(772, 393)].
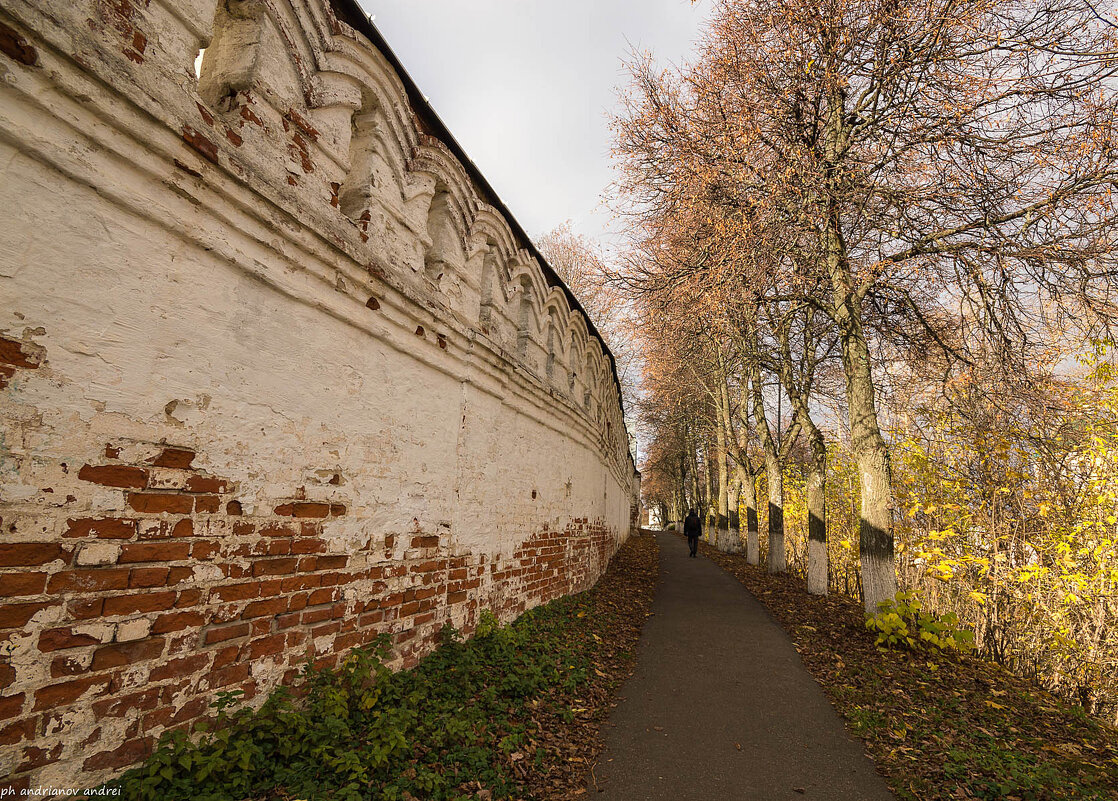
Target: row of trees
[(872, 181), (895, 219)]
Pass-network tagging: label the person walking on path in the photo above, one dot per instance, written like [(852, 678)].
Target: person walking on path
[(692, 528)]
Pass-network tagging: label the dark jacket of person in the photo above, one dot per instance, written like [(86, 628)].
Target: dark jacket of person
[(692, 527)]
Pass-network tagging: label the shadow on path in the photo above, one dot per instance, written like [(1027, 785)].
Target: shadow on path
[(715, 673)]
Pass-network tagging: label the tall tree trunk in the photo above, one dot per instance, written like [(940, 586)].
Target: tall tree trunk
[(774, 480), (723, 508), (733, 531), (818, 579), (799, 390), (708, 496), (749, 500), (875, 537), (722, 440)]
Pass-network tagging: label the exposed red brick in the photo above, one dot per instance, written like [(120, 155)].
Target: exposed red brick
[(205, 112), (335, 562), (91, 580), (112, 528), (16, 732), (55, 695), (183, 528), (84, 609), (11, 352), (207, 504), (279, 547), (13, 585), (266, 646), (233, 508), (177, 621), (426, 541), (199, 143), (132, 604), (229, 675), (337, 509), (307, 545), (119, 705), (57, 639), (236, 592), (175, 668), (178, 458), (223, 657), (285, 621), (157, 502), (62, 666), (304, 509), (35, 757), (304, 125), (223, 633), (128, 753), (22, 554), (11, 705), (154, 551), (142, 577), (205, 549), (315, 615), (114, 475), (119, 654), (274, 567), (326, 630), (271, 606), (198, 483)]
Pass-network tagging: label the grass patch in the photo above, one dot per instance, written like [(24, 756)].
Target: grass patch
[(511, 713), (939, 725)]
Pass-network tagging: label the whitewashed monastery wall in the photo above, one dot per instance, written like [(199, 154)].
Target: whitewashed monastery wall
[(277, 373)]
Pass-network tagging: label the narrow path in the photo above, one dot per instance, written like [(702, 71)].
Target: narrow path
[(715, 673)]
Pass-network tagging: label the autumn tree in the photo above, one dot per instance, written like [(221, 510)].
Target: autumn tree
[(909, 169)]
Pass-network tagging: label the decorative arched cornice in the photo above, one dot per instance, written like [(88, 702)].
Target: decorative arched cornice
[(488, 223), (342, 62), (555, 301)]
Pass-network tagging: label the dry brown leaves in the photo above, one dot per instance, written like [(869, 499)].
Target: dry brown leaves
[(938, 725), (619, 606)]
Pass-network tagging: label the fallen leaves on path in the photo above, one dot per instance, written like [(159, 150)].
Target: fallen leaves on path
[(569, 728)]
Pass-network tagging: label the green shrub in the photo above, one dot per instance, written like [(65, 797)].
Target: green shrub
[(901, 622), (359, 731)]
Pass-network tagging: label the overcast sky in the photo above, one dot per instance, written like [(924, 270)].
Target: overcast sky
[(526, 87)]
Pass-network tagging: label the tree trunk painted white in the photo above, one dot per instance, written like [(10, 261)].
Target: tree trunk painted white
[(775, 480), (816, 490)]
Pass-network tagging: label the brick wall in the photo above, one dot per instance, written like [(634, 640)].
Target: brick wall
[(276, 376), (135, 620)]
